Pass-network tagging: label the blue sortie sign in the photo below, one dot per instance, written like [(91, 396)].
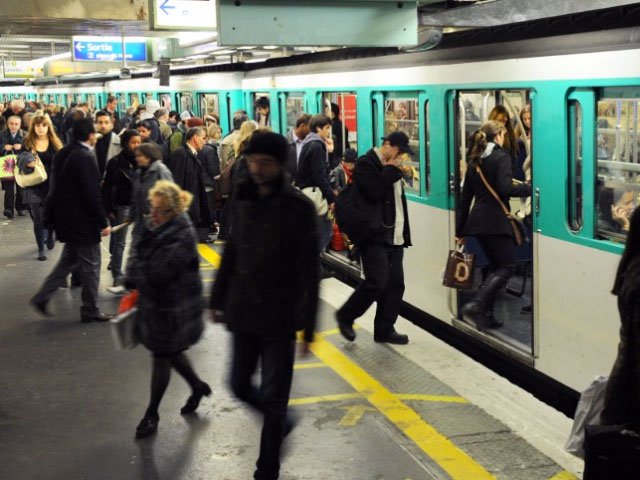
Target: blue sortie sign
[(109, 51)]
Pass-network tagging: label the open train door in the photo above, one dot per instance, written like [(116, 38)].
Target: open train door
[(469, 110)]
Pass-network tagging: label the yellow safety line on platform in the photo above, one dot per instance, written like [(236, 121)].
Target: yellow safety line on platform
[(564, 475), (324, 398), (336, 331), (209, 254), (431, 398), (303, 366), (439, 448)]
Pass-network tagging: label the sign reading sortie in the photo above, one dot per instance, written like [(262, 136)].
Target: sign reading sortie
[(108, 49)]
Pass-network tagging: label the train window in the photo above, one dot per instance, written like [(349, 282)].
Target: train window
[(91, 102), (166, 101), (209, 104), (148, 96), (345, 124), (134, 100), (262, 109), (70, 99), (618, 170), (575, 166), (401, 113), (186, 102), (295, 108)]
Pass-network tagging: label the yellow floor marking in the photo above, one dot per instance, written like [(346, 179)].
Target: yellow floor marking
[(450, 458), (431, 398), (564, 475), (336, 331), (302, 366), (209, 254), (324, 398), (354, 414)]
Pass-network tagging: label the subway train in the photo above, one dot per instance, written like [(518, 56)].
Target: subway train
[(560, 319)]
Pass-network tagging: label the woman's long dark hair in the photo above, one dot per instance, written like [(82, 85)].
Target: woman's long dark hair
[(510, 141), (479, 140), (631, 253)]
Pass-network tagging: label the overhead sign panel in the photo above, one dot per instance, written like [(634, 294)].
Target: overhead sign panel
[(108, 49), (183, 15), (22, 69)]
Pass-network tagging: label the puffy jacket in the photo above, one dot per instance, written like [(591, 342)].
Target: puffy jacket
[(313, 168)]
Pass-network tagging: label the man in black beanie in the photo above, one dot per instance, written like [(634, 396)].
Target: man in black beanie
[(267, 288)]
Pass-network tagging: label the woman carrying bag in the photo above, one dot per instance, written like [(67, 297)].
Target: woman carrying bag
[(165, 270), (489, 173), (40, 146)]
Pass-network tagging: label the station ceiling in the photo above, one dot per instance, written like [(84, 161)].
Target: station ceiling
[(36, 29)]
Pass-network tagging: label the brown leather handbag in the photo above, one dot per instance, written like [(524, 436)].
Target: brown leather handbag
[(459, 270), (519, 232)]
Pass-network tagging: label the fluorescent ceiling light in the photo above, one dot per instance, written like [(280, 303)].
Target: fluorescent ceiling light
[(246, 48), (270, 47), (186, 39), (256, 60)]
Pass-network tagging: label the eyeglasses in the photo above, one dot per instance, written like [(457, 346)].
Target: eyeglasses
[(159, 210)]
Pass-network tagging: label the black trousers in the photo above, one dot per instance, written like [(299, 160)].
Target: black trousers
[(12, 196), (383, 283), (37, 211), (500, 250), (276, 356)]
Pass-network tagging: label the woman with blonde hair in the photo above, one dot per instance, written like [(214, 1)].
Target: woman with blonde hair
[(165, 270), (489, 162), (41, 142)]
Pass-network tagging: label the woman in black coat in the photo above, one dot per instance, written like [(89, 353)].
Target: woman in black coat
[(487, 221), (165, 269), (622, 397)]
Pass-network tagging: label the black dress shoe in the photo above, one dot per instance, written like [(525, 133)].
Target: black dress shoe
[(204, 390), (147, 427), (8, 213), (392, 337), (347, 330), (51, 241), (40, 306), (22, 213), (42, 257), (95, 317)]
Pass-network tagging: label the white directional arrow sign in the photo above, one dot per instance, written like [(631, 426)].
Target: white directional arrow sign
[(183, 15), (80, 47)]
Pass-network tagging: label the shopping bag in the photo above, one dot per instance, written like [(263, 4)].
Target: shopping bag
[(459, 270), (38, 176), (337, 240), (123, 329), (7, 165), (128, 301), (588, 412)]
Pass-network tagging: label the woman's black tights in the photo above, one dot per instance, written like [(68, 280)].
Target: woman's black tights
[(161, 375)]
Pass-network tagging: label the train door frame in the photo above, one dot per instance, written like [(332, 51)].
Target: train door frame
[(457, 105), (283, 113)]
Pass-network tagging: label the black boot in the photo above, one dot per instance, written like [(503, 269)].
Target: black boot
[(476, 310)]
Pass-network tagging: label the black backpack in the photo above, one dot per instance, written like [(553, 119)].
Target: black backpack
[(357, 217)]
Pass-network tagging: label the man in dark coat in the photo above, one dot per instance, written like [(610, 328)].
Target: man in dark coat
[(267, 288), (296, 137), (378, 178), (79, 220), (11, 140), (189, 173)]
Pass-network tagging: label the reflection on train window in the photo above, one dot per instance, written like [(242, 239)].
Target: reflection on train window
[(295, 108), (91, 102), (209, 105), (148, 96), (262, 109), (134, 100), (122, 103), (618, 182), (186, 102), (345, 124), (166, 101), (401, 114), (575, 166), (70, 99)]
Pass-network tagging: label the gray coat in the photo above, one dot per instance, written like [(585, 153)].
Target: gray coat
[(143, 182), (165, 269)]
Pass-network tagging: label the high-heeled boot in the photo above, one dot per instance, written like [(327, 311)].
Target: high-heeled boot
[(476, 310)]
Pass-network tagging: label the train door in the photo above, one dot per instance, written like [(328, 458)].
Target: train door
[(513, 306), (166, 101), (186, 102), (209, 105), (262, 108)]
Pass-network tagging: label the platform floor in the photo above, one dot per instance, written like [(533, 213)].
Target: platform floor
[(69, 402)]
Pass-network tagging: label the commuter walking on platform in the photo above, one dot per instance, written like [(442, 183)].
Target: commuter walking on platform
[(296, 137), (189, 172), (108, 145), (378, 179), (11, 143), (79, 220), (165, 270), (486, 220), (267, 289), (117, 188), (622, 397), (43, 143)]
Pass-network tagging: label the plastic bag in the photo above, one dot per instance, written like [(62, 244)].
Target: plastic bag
[(588, 412), (128, 301)]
